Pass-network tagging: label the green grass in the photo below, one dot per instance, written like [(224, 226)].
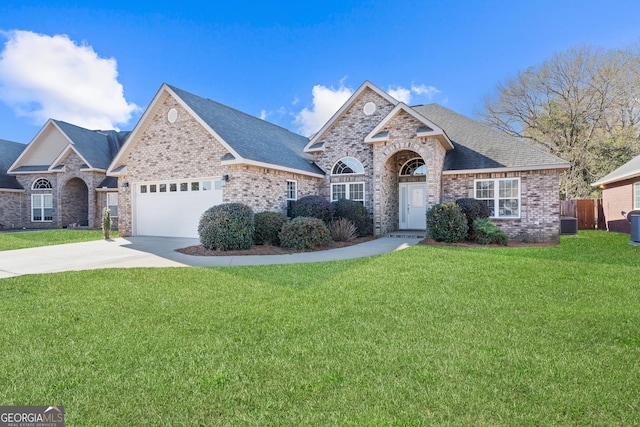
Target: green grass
[(32, 239), (423, 336)]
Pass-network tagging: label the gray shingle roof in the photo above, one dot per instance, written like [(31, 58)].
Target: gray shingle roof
[(9, 152), (251, 137), (98, 147), (477, 146), (631, 169)]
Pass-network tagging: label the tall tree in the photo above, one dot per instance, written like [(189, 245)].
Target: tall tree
[(582, 104)]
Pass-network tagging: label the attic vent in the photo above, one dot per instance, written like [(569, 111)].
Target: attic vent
[(369, 108), (172, 116)]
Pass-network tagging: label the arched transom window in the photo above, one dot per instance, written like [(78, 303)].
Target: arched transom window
[(347, 165), (41, 184), (414, 167)]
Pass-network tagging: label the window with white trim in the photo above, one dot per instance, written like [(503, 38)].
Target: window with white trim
[(347, 166), (292, 190), (112, 204), (42, 207), (42, 203), (502, 196), (348, 190), (636, 195)]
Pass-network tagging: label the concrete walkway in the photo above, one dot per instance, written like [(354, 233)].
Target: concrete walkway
[(161, 252)]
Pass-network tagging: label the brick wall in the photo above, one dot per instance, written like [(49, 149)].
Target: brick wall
[(11, 208), (540, 205)]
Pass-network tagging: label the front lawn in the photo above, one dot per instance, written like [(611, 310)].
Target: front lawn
[(423, 336), (32, 239)]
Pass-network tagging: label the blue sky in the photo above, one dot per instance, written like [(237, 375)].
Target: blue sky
[(99, 64)]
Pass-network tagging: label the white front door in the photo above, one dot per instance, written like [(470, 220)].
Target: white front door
[(413, 206)]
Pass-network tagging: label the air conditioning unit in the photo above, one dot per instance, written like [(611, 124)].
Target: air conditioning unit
[(568, 225), (634, 219)]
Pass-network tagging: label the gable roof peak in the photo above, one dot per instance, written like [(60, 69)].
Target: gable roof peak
[(314, 139)]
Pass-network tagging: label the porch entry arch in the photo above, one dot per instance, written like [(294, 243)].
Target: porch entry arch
[(75, 203)]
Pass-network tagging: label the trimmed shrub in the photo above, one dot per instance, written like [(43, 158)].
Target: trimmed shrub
[(447, 223), (342, 230), (268, 226), (304, 233), (356, 213), (313, 207), (106, 223), (227, 227), (487, 232), (473, 209)]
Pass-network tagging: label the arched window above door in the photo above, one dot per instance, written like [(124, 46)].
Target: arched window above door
[(347, 166), (414, 167)]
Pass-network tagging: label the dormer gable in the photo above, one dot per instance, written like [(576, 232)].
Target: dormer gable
[(425, 128)]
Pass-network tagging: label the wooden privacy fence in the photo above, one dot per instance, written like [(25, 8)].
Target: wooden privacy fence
[(588, 211)]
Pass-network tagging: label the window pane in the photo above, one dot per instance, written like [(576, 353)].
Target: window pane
[(152, 188), (292, 191), (636, 194), (173, 187), (163, 188), (206, 186), (509, 188), (484, 189), (339, 192), (508, 208), (356, 191), (184, 186), (195, 186), (143, 188), (36, 201)]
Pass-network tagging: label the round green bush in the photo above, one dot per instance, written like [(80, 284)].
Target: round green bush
[(304, 233), (487, 232), (447, 223), (473, 209), (313, 207), (226, 227), (356, 213), (268, 226)]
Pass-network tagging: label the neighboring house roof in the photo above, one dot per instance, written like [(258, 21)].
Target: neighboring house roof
[(629, 170), (479, 147), (250, 137), (9, 152), (96, 147)]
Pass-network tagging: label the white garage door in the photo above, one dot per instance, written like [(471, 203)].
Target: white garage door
[(174, 208)]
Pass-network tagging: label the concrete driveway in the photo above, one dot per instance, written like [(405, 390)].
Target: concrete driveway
[(161, 252)]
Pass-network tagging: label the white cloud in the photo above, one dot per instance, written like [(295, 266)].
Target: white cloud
[(326, 101), (401, 94), (44, 77), (406, 95), (263, 114), (422, 89)]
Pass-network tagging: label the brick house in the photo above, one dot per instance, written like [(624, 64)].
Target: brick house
[(59, 179), (620, 195), (188, 153)]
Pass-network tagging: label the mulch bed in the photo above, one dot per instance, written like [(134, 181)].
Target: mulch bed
[(200, 250)]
